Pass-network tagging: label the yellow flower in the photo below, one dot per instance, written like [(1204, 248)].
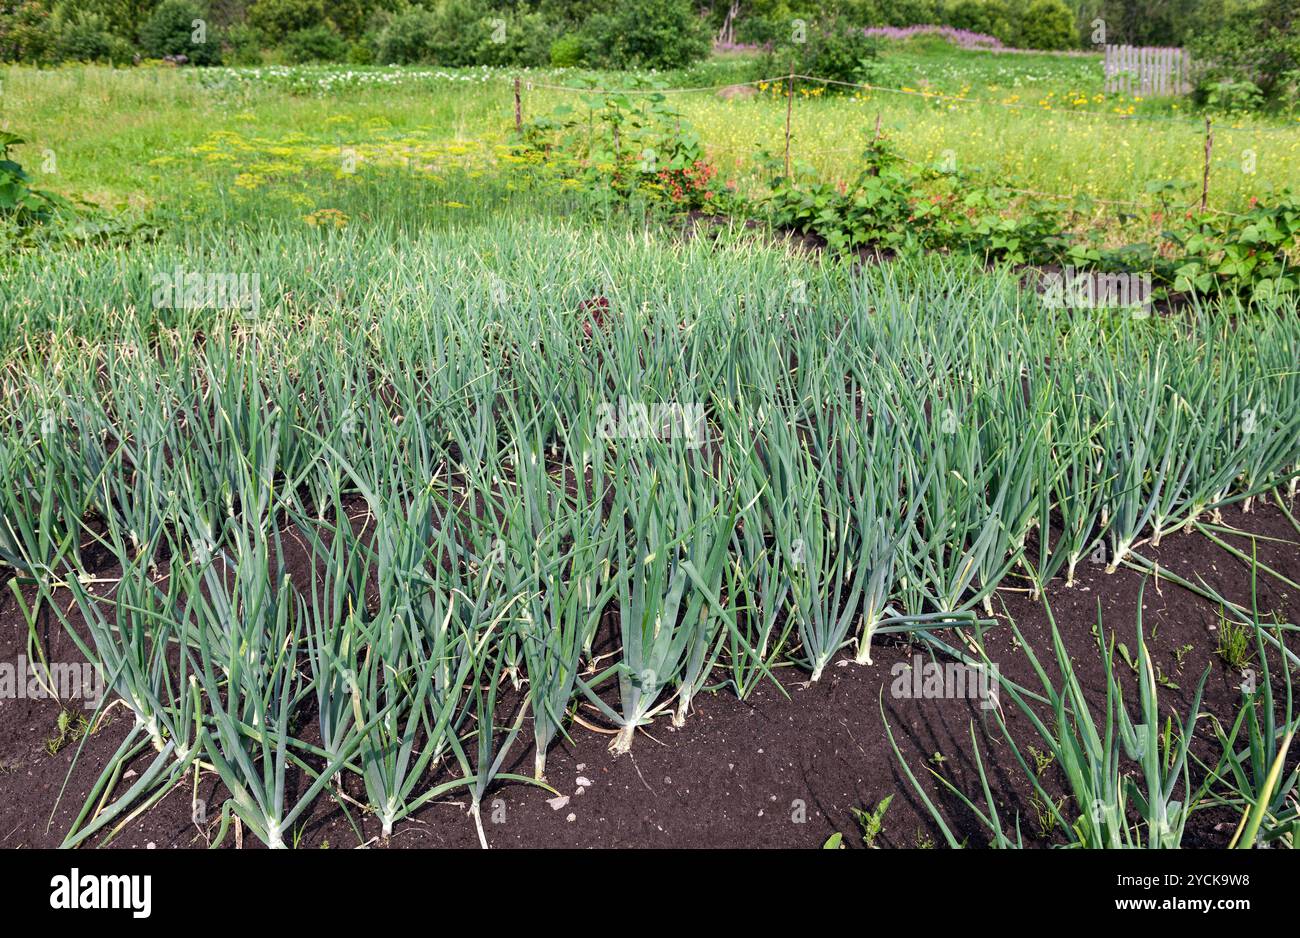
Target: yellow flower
[(325, 217)]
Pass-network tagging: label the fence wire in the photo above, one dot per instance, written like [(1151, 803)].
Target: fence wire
[(1199, 124)]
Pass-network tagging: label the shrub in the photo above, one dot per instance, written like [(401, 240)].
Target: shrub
[(511, 39), (829, 50), (1048, 24), (410, 37), (437, 35), (1257, 45), (658, 34), (566, 51), (935, 38), (87, 38), (243, 45), (773, 26), (990, 17), (276, 19), (350, 17), (27, 32), (1232, 97), (360, 53), (21, 206), (910, 12), (465, 32), (170, 30), (320, 43)]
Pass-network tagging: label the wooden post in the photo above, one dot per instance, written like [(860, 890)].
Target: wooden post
[(519, 109), (1205, 177), (875, 138), (789, 104)]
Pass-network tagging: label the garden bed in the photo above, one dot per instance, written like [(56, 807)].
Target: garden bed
[(736, 773)]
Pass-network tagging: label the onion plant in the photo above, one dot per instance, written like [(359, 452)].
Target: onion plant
[(872, 450), (1116, 765), (557, 552)]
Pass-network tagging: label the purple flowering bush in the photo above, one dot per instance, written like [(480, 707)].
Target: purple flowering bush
[(964, 38)]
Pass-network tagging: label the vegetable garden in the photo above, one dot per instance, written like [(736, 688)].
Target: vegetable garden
[(484, 469)]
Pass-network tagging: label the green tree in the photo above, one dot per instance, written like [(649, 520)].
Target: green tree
[(275, 19), (122, 18), (1047, 24), (1258, 46), (171, 30), (650, 34), (990, 17), (27, 31)]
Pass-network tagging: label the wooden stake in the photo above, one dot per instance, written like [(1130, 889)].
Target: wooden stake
[(1205, 177), (874, 139), (789, 105), (519, 110)]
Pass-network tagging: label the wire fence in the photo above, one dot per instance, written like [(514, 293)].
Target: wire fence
[(912, 92), (1204, 128)]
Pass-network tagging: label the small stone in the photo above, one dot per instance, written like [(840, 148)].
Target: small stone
[(583, 782), (571, 818), (558, 803)]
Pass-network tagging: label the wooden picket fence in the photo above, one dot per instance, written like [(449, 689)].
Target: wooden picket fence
[(1152, 72)]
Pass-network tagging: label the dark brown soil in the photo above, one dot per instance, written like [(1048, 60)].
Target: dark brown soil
[(766, 772)]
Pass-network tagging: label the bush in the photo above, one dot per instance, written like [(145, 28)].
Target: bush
[(831, 50), (349, 17), (170, 30), (276, 19), (1048, 24), (431, 36), (512, 39), (360, 53), (774, 25), (410, 37), (658, 34), (759, 30), (316, 44), (87, 38), (465, 32), (990, 17), (1257, 45), (1233, 97), (910, 12), (566, 51), (243, 45), (27, 32)]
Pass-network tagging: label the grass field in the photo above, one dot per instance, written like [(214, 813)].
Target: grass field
[(137, 136)]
